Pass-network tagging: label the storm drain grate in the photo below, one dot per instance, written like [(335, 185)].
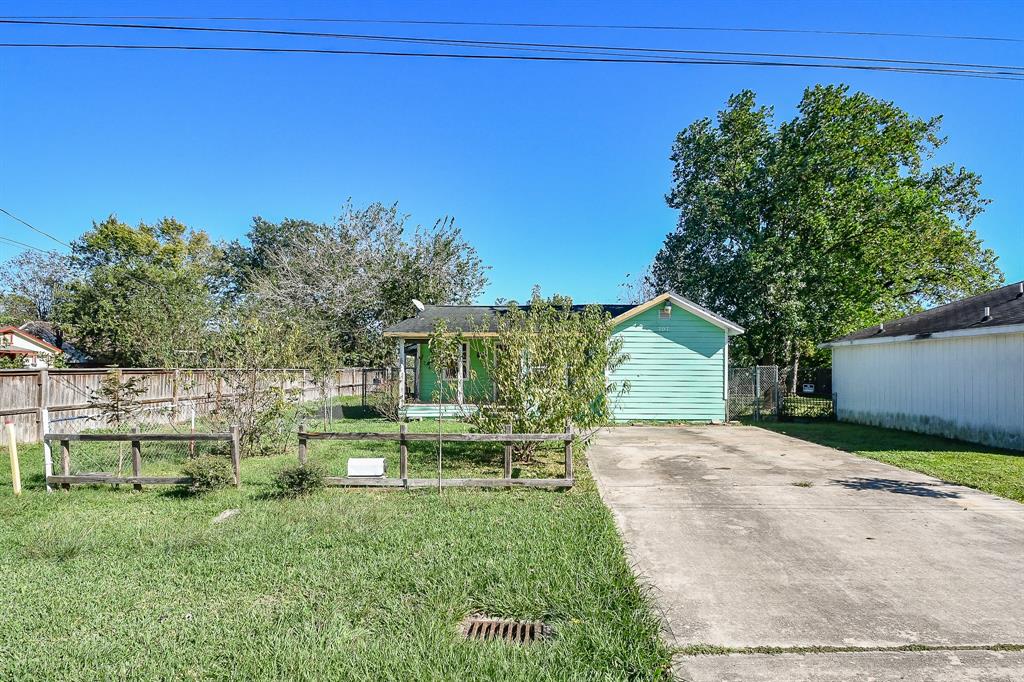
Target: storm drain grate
[(518, 631)]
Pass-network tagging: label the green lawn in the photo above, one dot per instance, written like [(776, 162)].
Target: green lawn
[(104, 583), (1000, 472)]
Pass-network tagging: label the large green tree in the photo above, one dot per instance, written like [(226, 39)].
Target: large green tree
[(143, 297), (825, 223)]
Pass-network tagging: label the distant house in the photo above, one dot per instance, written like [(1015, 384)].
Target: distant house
[(956, 370), (32, 351), (677, 366), (73, 357)]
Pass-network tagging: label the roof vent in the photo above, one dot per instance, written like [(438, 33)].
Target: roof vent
[(881, 326), (986, 317), (1020, 290)]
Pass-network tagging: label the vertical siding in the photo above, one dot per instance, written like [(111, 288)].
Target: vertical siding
[(970, 388), (676, 368), (476, 389)]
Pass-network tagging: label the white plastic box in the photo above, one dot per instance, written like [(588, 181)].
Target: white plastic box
[(367, 467)]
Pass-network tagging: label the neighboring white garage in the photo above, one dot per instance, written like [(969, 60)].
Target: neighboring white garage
[(956, 370)]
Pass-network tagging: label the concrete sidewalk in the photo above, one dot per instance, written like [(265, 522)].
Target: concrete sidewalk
[(750, 538)]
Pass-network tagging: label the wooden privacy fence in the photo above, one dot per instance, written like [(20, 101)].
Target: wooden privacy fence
[(403, 437), (65, 479), (38, 399)]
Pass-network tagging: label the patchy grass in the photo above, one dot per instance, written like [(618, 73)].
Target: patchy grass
[(1000, 472), (106, 583)]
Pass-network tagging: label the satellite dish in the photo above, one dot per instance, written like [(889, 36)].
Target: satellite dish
[(418, 304)]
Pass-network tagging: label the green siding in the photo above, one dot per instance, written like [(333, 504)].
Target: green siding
[(477, 387), (675, 368)]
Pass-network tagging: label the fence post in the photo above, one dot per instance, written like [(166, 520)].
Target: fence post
[(12, 445), (303, 454), (568, 450), (175, 379), (757, 393), (65, 462), (43, 423), (136, 459), (508, 453), (236, 455), (403, 454)]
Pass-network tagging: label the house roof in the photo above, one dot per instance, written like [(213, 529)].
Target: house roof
[(469, 319), (963, 317), (46, 332), (31, 338)]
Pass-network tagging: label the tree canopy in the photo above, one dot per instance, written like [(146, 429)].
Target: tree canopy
[(142, 297), (350, 279), (830, 221), (164, 294)]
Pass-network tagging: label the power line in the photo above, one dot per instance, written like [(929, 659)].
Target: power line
[(504, 24), (492, 44), (994, 75), (33, 227), (15, 242)]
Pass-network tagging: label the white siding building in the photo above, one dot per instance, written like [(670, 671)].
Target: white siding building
[(956, 371)]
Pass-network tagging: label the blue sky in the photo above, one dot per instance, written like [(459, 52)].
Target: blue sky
[(555, 172)]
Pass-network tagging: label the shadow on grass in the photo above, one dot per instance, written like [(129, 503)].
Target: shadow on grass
[(892, 485), (868, 439)]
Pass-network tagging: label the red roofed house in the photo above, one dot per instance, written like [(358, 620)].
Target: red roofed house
[(33, 351)]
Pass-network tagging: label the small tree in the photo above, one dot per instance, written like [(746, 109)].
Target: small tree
[(118, 401), (549, 364), (247, 346), (445, 351)]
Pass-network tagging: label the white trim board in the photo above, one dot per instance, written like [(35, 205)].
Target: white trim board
[(952, 334)]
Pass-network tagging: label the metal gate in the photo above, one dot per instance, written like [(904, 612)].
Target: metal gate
[(754, 392)]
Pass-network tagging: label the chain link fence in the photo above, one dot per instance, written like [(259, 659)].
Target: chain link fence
[(754, 392), (761, 392)]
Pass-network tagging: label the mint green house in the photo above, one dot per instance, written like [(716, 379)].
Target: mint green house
[(676, 367)]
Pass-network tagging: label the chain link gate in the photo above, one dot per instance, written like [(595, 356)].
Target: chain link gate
[(754, 392)]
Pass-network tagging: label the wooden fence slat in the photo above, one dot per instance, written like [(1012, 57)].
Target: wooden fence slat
[(450, 437), (128, 437), (403, 454), (66, 481), (356, 482), (236, 455), (508, 452), (65, 462)]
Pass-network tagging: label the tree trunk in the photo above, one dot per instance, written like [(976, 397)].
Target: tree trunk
[(796, 369)]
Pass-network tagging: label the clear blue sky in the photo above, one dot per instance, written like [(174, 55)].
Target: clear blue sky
[(556, 172)]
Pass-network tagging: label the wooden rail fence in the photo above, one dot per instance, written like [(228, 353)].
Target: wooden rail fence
[(403, 438), (65, 479)]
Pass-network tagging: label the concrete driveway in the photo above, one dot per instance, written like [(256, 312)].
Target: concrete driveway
[(750, 539)]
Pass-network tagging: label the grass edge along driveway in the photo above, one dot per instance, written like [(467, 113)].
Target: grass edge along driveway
[(992, 470), (106, 583)]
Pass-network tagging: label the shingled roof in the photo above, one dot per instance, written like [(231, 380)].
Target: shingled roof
[(1005, 307), (470, 318)]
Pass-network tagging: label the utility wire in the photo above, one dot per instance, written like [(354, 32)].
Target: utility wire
[(994, 75), (33, 227), (15, 242), (630, 27), (492, 44)]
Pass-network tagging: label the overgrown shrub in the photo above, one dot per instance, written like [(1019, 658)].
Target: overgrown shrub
[(300, 479), (208, 472), (383, 399)]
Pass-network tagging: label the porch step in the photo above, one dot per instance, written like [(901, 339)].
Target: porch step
[(427, 411)]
